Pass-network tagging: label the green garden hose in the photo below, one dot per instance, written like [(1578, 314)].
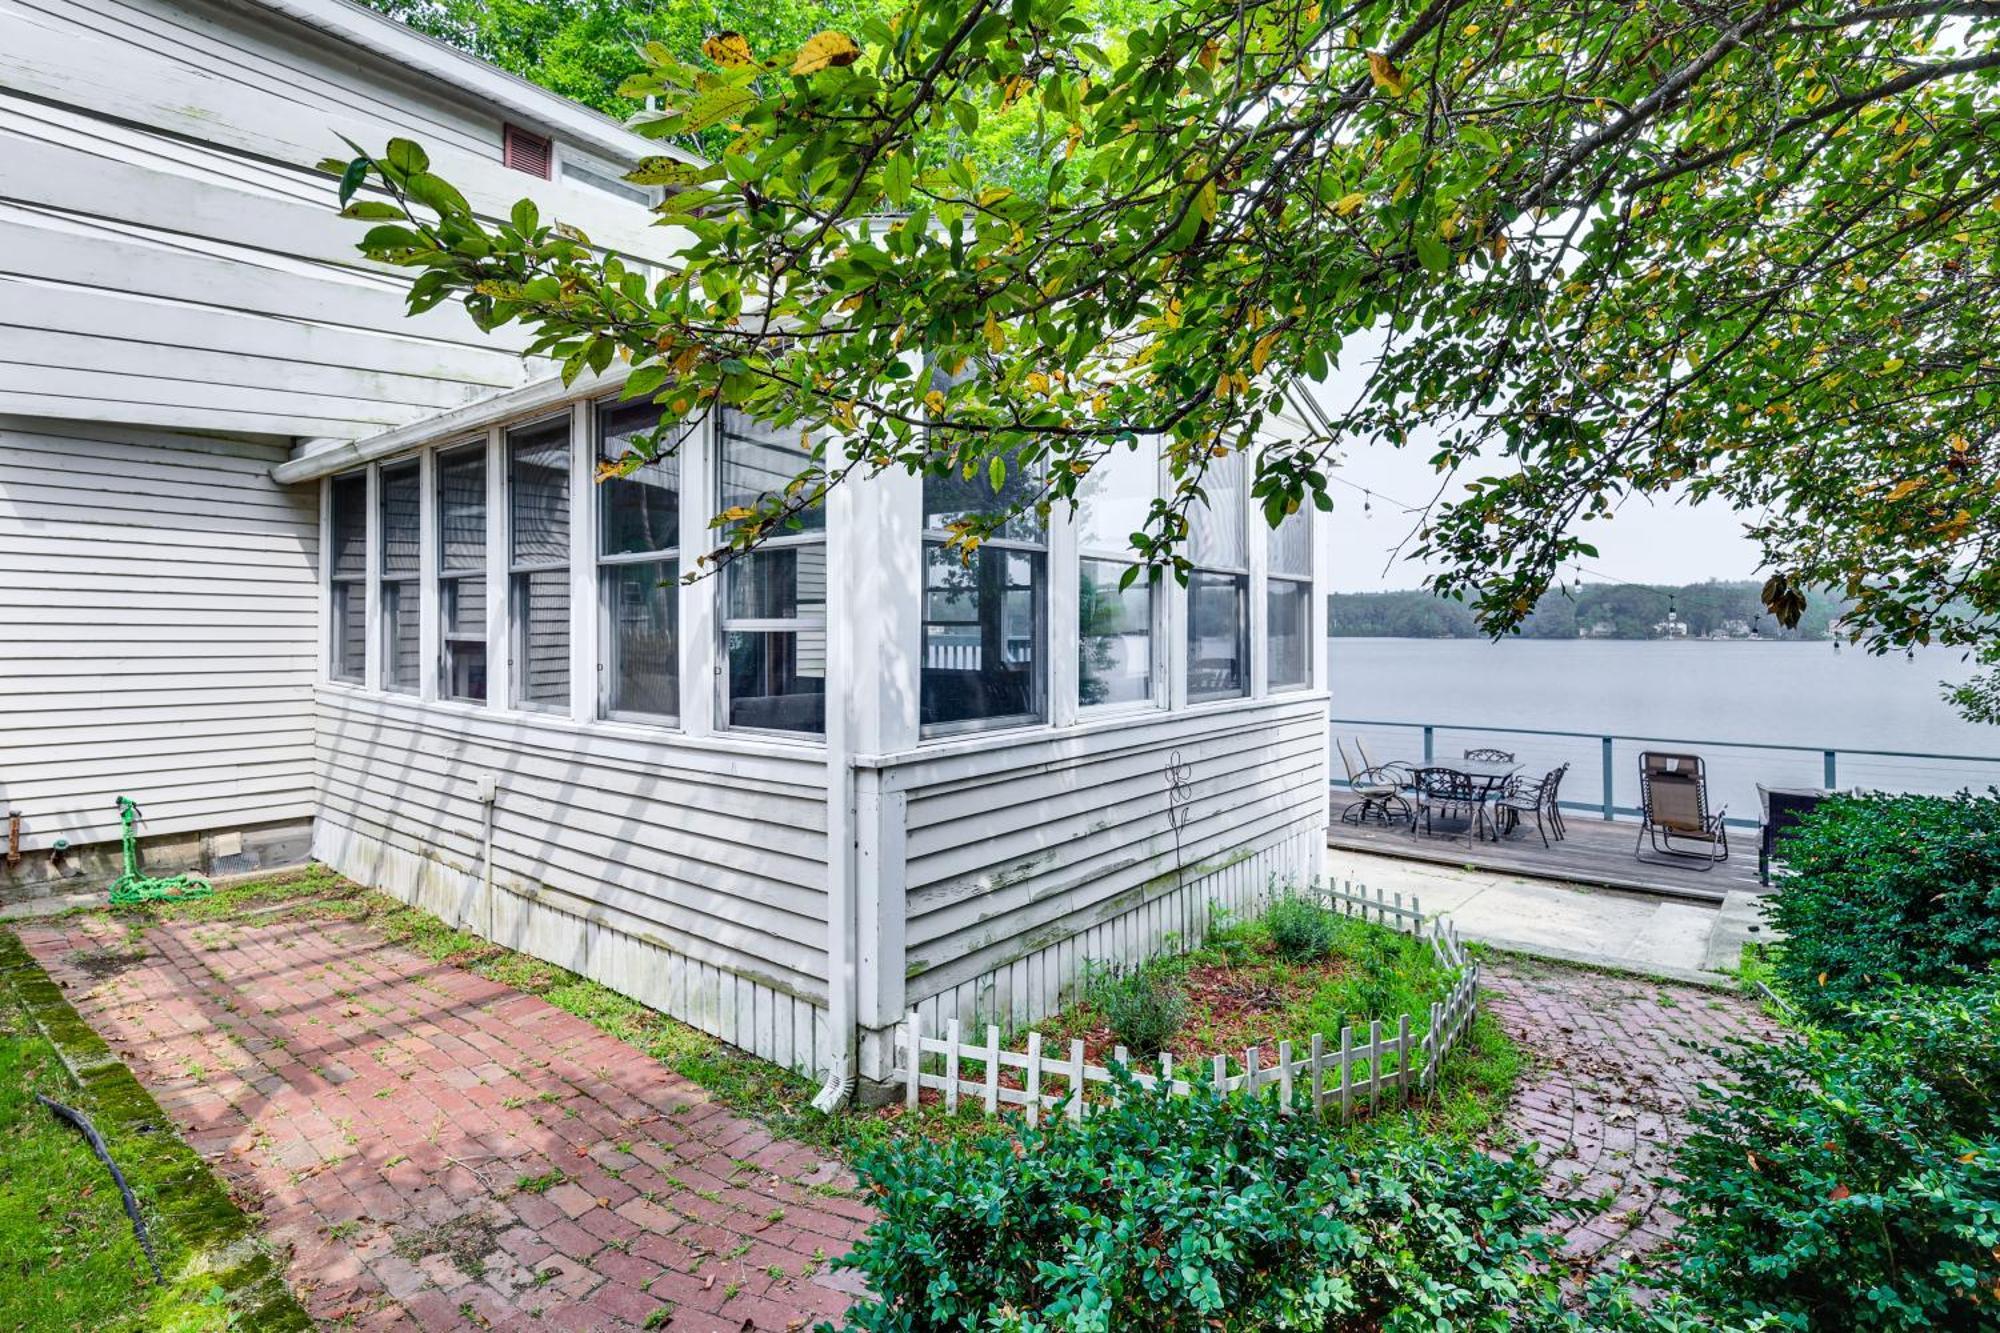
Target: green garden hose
[(133, 887)]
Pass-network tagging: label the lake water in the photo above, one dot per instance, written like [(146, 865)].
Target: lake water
[(1757, 695)]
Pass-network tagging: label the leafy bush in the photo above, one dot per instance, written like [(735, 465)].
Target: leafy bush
[(1196, 1213), (1850, 1179), (1886, 888), (1301, 931), (1143, 1008)]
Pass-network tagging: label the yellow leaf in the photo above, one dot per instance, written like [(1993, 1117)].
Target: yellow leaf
[(996, 337), (1349, 203), (1387, 77), (1038, 382), (735, 514), (824, 50), (1892, 365), (1209, 50), (1205, 202), (1261, 353), (729, 50), (934, 400), (1904, 489)]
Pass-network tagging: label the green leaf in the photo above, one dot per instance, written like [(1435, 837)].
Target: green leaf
[(644, 380), (1433, 254), (352, 179), (406, 156), (996, 473), (526, 217), (393, 238), (712, 108), (371, 210), (670, 171), (438, 194)]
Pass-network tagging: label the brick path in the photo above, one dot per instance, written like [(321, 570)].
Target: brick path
[(1607, 1089), (443, 1152)]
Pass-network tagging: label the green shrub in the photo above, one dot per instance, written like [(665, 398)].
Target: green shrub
[(1197, 1213), (1301, 931), (1850, 1179), (1144, 1008), (1887, 888)]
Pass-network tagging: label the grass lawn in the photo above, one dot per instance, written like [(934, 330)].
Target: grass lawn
[(68, 1255)]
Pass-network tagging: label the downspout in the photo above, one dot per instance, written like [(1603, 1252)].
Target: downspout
[(840, 972)]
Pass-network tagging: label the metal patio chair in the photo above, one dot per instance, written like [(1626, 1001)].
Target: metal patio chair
[(1447, 791), (1536, 798), (1381, 793), (1673, 810), (1489, 753)]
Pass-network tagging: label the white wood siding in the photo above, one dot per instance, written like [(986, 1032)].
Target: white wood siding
[(169, 256), (159, 596), (707, 858), (1033, 853)]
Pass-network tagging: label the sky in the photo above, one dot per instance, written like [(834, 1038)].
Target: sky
[(1647, 541)]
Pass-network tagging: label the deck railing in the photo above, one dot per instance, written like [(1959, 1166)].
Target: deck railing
[(1604, 766)]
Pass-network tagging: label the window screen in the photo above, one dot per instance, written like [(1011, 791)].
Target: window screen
[(347, 543), (538, 518), (638, 571), (402, 544)]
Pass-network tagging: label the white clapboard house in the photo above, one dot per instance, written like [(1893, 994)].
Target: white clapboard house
[(304, 576)]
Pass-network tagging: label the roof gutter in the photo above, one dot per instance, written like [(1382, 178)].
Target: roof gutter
[(324, 458)]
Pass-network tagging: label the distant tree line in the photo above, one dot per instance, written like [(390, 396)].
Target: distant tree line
[(1598, 610)]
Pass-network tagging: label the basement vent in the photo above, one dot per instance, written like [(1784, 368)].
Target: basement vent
[(527, 152)]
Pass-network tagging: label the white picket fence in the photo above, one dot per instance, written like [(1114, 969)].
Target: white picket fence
[(1350, 1073)]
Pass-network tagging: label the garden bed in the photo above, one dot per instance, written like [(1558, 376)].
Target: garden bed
[(1253, 993)]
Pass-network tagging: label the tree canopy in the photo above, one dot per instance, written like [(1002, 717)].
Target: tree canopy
[(1739, 251)]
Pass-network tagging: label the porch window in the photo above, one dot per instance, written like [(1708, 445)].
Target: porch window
[(402, 545), (1115, 649), (1288, 602), (985, 619), (347, 587), (461, 509), (538, 467), (638, 574), (1218, 590), (774, 598)]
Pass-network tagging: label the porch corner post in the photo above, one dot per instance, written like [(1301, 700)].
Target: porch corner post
[(1610, 789)]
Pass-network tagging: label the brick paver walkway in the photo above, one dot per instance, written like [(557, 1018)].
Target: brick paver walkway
[(443, 1152), (1607, 1090)]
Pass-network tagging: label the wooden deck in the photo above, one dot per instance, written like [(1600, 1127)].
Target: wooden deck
[(1597, 853)]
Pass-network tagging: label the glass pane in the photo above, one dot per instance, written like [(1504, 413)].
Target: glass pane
[(402, 649), (462, 606), (777, 680), (642, 512), (465, 671), (956, 496), (541, 610), (538, 493), (1291, 544), (1216, 529), (402, 534), (782, 583), (759, 460), (350, 633), (1114, 499), (1115, 657), (982, 635), (461, 481), (1218, 606), (348, 542), (642, 603), (1288, 614)]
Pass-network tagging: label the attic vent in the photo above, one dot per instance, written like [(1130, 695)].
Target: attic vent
[(524, 151)]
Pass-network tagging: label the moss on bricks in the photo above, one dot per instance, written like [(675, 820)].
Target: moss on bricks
[(209, 1249)]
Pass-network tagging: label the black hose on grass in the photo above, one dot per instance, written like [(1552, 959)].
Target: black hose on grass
[(82, 1122)]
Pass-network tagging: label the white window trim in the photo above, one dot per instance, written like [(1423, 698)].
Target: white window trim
[(1251, 618), (410, 581), (517, 620), (440, 665), (599, 565), (1044, 636), (330, 582)]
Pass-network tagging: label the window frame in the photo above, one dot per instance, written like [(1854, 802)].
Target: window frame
[(1295, 582), (518, 570), (441, 455), (406, 583), (1241, 576), (341, 588), (725, 624), (1041, 636), (607, 566), (1156, 605)]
